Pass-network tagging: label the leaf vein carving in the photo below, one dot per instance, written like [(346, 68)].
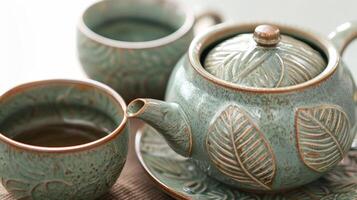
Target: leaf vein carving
[(248, 65), (323, 136), (239, 150), (327, 131)]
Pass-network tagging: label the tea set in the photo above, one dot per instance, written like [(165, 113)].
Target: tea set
[(251, 111)]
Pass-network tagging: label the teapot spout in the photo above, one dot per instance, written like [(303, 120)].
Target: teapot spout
[(168, 119)]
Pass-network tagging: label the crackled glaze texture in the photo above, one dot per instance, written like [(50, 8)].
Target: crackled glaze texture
[(323, 136), (262, 139), (78, 174), (240, 60), (183, 179), (134, 69)]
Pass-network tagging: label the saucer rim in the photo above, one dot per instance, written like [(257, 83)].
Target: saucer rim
[(156, 181), (171, 192)]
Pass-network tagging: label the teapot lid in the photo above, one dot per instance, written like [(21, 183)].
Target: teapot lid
[(264, 59)]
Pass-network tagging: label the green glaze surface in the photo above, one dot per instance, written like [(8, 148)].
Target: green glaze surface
[(241, 60), (133, 29), (261, 140), (183, 179), (175, 125), (83, 173), (134, 69)]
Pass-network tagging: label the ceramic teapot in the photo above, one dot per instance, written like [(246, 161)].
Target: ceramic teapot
[(263, 108)]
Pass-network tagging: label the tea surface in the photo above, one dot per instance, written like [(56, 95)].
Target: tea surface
[(56, 125), (133, 29), (60, 135)]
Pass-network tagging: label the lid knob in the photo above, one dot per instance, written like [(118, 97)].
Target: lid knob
[(266, 35)]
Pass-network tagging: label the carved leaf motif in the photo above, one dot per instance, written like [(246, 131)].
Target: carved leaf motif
[(247, 68), (23, 190), (133, 72), (218, 194), (324, 190), (239, 60), (239, 150), (323, 136), (170, 168), (340, 183)]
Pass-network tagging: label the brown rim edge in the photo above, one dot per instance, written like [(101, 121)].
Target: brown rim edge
[(224, 30), (157, 182), (179, 33), (138, 112), (117, 99)]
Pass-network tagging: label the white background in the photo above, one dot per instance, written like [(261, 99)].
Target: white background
[(37, 37)]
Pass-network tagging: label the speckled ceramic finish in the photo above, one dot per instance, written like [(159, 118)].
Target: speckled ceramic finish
[(134, 69), (182, 179), (83, 171), (261, 139), (242, 60)]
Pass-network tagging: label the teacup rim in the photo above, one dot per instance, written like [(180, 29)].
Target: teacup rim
[(224, 30), (172, 37), (117, 99)]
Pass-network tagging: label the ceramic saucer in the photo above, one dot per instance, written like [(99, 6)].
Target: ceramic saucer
[(180, 178)]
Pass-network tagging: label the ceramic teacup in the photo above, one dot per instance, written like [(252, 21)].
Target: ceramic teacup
[(133, 45), (61, 139)]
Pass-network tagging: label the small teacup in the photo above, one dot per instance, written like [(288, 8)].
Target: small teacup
[(61, 139), (133, 45)]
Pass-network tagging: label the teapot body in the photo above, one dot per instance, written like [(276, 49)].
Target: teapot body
[(266, 141), (252, 136)]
